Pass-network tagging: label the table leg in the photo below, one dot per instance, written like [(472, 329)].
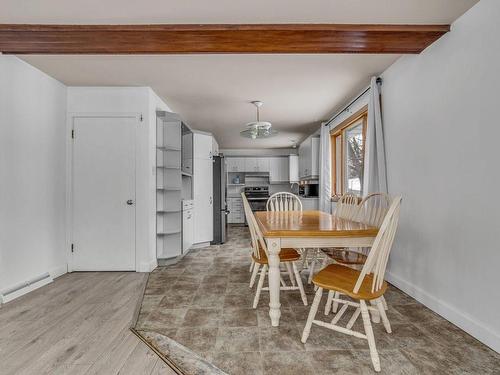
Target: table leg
[(274, 247)]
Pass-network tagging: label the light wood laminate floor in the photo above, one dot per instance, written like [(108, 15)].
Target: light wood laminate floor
[(79, 324)]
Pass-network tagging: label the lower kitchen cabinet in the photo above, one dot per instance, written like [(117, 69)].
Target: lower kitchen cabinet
[(236, 211), (187, 225)]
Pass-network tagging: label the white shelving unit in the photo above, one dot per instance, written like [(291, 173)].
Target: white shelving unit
[(168, 186)]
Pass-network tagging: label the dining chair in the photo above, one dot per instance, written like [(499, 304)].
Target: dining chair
[(365, 285), (286, 201), (346, 208), (370, 211), (260, 257)]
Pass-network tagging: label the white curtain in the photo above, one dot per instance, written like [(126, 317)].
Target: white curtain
[(374, 175), (325, 189)]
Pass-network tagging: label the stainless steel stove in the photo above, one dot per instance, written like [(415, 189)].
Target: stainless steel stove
[(257, 197)]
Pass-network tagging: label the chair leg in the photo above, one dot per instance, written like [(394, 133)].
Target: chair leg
[(369, 335), (290, 273), (299, 283), (383, 315), (375, 315), (259, 286), (384, 303), (252, 264), (305, 252), (254, 274), (328, 305), (311, 268), (335, 305), (312, 314), (282, 282)]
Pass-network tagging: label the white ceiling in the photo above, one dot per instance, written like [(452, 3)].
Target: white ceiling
[(212, 92), (232, 11)]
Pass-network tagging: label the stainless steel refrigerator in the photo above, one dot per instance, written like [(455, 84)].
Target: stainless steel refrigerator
[(220, 201)]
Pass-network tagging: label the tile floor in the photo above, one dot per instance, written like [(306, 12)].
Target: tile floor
[(204, 303)]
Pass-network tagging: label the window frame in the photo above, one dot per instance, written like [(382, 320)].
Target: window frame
[(339, 131)]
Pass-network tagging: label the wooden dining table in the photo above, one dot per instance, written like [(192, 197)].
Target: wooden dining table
[(305, 229)]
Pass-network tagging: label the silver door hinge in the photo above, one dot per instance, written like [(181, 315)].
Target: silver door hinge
[(72, 248), (73, 134)]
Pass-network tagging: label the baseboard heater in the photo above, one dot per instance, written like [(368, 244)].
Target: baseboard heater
[(24, 287)]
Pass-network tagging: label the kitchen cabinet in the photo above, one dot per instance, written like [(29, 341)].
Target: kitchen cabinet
[(256, 164), (262, 164), (202, 145), (309, 158), (278, 169), (235, 164), (250, 164), (203, 187), (236, 212), (293, 168), (187, 225), (187, 150), (215, 147)]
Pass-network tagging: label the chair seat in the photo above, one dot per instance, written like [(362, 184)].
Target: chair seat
[(286, 255), (345, 256), (342, 279)]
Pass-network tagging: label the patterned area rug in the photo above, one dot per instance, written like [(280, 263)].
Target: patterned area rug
[(199, 314)]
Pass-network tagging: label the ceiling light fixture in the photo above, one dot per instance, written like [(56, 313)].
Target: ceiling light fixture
[(258, 129)]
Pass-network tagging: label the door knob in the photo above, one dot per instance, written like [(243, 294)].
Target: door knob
[(130, 202)]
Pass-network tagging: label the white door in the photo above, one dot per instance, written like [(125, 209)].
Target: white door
[(103, 193)]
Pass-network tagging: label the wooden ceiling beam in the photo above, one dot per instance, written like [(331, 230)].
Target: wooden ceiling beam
[(214, 39)]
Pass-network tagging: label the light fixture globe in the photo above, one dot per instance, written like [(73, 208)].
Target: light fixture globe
[(258, 129)]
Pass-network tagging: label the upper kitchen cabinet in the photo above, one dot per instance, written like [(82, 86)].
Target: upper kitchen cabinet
[(309, 158), (215, 147), (293, 168), (278, 169), (256, 164), (203, 145), (187, 150), (235, 164)]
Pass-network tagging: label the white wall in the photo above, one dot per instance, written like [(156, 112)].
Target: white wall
[(441, 124), (32, 173), (131, 100)]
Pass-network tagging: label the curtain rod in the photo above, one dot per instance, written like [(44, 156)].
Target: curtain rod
[(379, 81)]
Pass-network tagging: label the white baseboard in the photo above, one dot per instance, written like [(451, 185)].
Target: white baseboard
[(58, 271), (466, 322), (147, 266)]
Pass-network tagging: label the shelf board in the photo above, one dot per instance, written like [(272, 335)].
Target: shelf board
[(166, 167), (168, 211), (235, 184), (168, 148), (166, 233), (169, 189), (187, 174)]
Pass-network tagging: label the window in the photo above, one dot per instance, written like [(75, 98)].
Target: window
[(348, 154)]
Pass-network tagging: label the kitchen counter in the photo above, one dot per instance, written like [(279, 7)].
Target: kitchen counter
[(310, 203)]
